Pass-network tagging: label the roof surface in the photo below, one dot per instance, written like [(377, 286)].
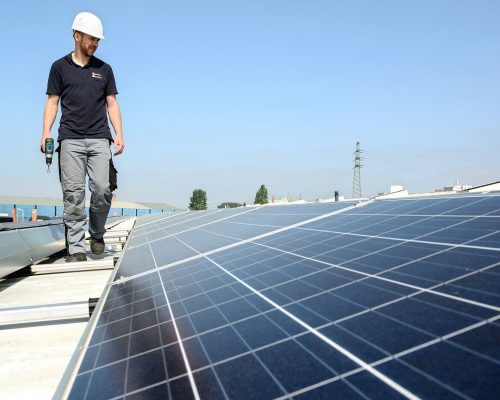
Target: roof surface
[(43, 316)]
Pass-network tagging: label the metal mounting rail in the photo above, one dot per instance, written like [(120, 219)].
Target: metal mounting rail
[(46, 312), (92, 265)]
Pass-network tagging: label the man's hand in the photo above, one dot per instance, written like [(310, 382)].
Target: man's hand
[(42, 141), (119, 145)]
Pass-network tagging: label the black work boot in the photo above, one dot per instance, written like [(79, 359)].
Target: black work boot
[(97, 245), (77, 257)]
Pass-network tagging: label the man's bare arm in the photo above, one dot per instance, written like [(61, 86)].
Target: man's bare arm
[(49, 116), (115, 117)]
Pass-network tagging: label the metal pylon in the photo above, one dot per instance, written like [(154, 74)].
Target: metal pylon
[(356, 183)]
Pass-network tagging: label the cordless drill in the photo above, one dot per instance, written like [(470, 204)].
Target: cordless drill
[(49, 151)]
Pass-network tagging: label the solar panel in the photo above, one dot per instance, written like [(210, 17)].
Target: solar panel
[(385, 299), (172, 239)]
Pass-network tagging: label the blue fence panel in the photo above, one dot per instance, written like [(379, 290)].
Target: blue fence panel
[(23, 213), (46, 211), (6, 208), (141, 212), (115, 212)]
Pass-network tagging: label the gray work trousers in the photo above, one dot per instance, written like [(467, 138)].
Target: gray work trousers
[(79, 158)]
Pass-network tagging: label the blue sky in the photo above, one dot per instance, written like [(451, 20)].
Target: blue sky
[(228, 95)]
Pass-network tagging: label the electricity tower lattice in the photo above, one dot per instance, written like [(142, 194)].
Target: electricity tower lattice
[(356, 183)]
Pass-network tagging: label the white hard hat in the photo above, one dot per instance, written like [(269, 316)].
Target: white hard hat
[(88, 23)]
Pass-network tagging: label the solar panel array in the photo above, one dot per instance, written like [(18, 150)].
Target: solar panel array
[(385, 299)]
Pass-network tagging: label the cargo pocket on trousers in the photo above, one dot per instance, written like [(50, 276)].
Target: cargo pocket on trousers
[(113, 181)]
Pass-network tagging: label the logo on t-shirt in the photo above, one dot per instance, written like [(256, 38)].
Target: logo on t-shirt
[(96, 75)]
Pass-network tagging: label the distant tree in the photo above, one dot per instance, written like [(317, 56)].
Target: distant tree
[(198, 200), (261, 195), (229, 205)]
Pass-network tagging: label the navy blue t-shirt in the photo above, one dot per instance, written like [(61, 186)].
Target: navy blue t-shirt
[(83, 92)]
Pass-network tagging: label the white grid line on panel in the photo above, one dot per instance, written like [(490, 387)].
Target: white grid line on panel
[(431, 216), (232, 245), (229, 325), (426, 215), (445, 244), (298, 335), (367, 309), (383, 351), (390, 358), (200, 215), (414, 223), (367, 275), (177, 334), (175, 214), (403, 391)]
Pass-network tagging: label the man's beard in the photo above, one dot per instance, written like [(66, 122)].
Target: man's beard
[(88, 50)]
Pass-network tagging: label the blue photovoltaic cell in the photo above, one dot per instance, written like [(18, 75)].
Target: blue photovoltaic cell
[(390, 299)]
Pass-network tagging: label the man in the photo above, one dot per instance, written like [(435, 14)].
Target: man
[(87, 90)]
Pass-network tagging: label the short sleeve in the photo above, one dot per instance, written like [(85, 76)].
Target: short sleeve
[(110, 83), (54, 85)]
